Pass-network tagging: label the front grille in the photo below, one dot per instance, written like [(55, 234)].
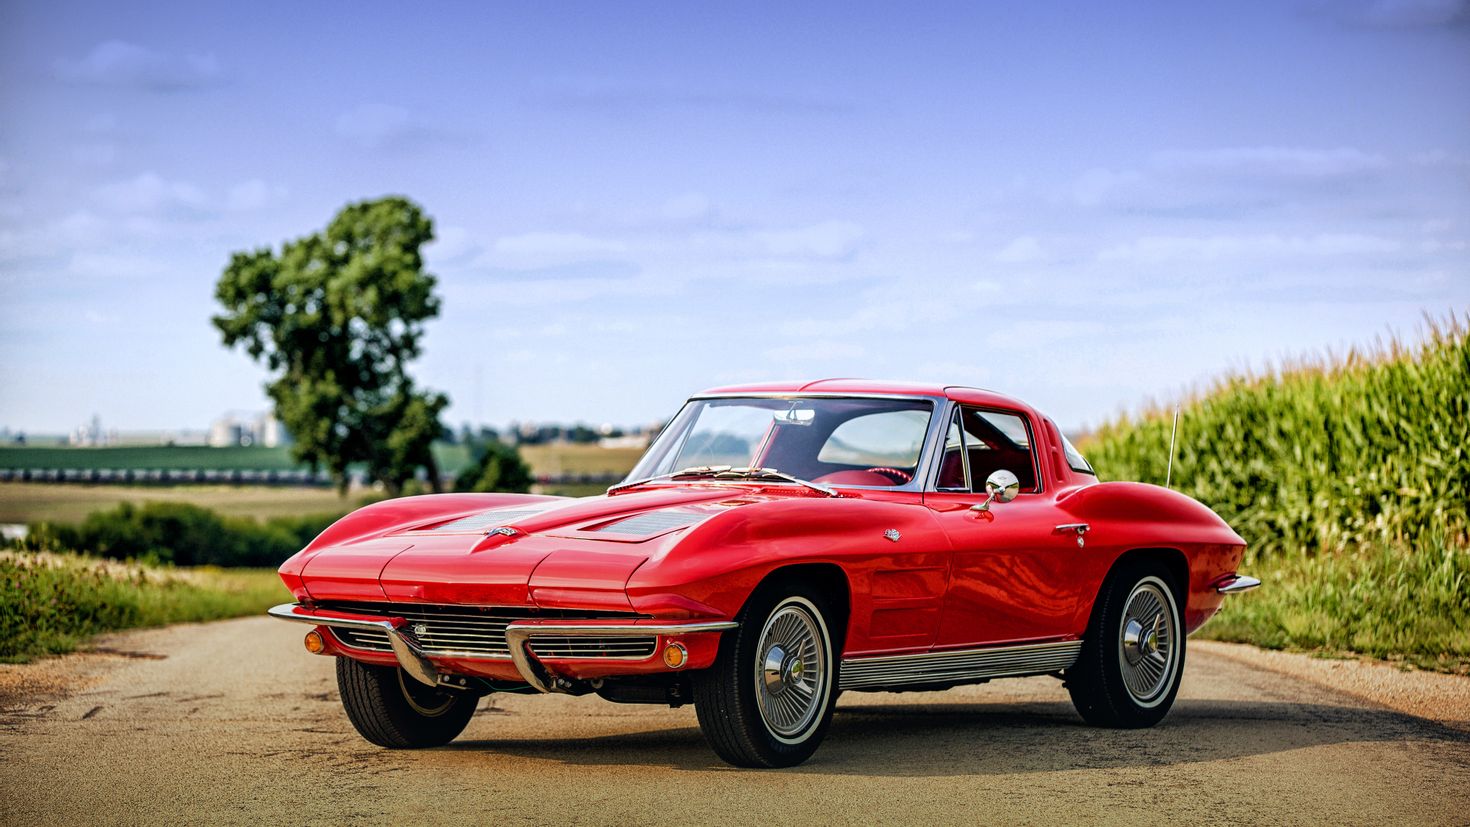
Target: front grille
[(478, 630), (568, 646)]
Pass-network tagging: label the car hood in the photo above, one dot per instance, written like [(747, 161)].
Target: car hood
[(537, 552)]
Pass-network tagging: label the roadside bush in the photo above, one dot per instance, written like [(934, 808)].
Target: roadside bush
[(49, 603), (180, 534), (495, 466)]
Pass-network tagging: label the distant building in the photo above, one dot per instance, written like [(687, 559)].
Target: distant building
[(91, 435), (243, 429)]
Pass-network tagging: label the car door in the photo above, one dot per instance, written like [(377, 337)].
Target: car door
[(1008, 578)]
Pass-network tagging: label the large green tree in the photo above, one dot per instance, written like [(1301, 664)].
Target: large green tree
[(337, 316)]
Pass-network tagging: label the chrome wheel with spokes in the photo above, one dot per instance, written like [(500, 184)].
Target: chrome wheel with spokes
[(791, 671), (1127, 673), (767, 700), (1146, 643)]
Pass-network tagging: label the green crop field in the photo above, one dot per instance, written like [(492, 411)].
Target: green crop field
[(1350, 479), (34, 502), (552, 459)]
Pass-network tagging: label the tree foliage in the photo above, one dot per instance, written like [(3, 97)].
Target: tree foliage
[(495, 466), (337, 316)]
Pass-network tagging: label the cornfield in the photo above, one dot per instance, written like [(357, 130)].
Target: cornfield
[(1370, 447), (1349, 477)]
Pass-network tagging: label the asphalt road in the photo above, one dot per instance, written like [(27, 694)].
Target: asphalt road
[(234, 723)]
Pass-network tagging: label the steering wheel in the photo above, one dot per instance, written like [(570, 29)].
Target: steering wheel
[(898, 475)]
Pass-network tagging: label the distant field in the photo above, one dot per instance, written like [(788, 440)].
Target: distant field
[(28, 502), (579, 459), (31, 502), (149, 456), (543, 459)]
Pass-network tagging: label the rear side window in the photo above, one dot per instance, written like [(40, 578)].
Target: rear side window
[(1075, 460)]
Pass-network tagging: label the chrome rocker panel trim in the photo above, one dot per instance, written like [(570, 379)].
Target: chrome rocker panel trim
[(960, 666), (415, 661), (1235, 584)]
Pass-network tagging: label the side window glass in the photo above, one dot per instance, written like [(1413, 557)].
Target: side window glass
[(996, 440)]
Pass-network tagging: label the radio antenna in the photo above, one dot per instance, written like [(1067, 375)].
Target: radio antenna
[(1173, 436)]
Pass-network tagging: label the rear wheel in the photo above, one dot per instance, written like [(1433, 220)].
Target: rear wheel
[(393, 710), (768, 699), (1128, 672)]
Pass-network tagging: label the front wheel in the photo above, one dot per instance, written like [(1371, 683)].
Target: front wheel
[(393, 710), (768, 699), (1128, 672)]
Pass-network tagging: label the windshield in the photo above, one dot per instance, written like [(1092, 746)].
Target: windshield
[(835, 441)]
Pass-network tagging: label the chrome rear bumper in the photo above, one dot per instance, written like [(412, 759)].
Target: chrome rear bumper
[(518, 635), (1235, 584)]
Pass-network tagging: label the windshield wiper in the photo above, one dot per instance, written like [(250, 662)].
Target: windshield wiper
[(695, 471), (780, 475), (726, 472)]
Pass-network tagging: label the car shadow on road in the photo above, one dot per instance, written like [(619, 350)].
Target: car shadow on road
[(1001, 739)]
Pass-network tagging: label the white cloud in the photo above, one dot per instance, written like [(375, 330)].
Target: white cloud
[(97, 154), (1159, 249), (549, 249), (112, 265), (254, 194), (151, 194), (1023, 250), (689, 207), (815, 351), (1273, 161), (123, 64), (1407, 14), (828, 239), (377, 125), (1231, 176)]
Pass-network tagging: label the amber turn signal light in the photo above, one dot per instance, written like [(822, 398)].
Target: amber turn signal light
[(314, 642), (675, 655)]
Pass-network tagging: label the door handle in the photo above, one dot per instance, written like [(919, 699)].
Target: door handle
[(1080, 528)]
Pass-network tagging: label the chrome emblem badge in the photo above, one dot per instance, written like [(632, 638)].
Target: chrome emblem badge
[(502, 530), (892, 534), (419, 630)]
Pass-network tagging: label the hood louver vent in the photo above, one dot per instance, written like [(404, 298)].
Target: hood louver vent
[(480, 523), (651, 523)]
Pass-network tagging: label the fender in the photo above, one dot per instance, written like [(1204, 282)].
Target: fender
[(896, 587)]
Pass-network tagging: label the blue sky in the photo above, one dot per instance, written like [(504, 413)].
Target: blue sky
[(1085, 205)]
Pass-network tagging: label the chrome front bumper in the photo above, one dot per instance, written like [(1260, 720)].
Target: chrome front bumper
[(518, 636)]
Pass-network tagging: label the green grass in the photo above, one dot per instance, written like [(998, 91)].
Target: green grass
[(1349, 477), (1410, 606), (50, 603)]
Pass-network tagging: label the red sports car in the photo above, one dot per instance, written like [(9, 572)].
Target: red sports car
[(777, 545)]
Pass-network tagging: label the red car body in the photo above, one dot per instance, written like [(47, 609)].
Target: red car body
[(505, 592)]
